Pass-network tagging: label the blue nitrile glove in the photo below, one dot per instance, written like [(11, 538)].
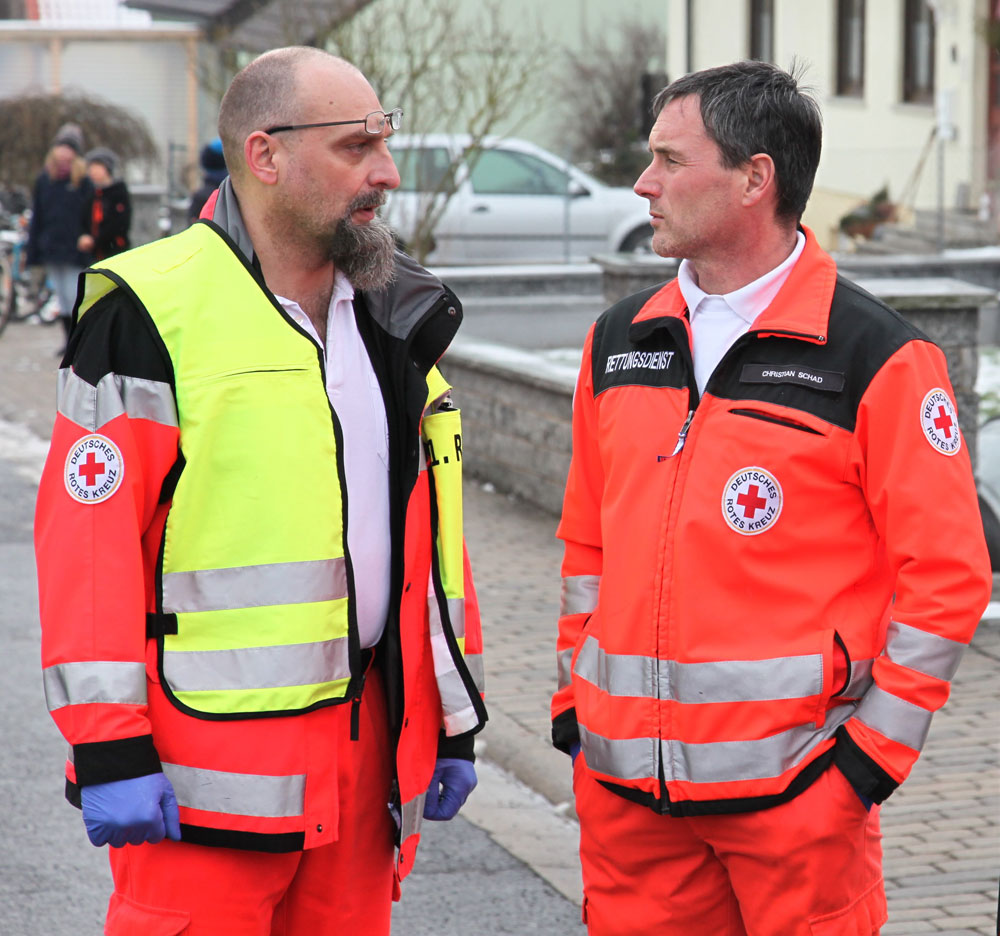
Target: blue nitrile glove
[(574, 749), (130, 812), (454, 779)]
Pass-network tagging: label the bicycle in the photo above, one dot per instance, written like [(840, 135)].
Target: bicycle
[(22, 298)]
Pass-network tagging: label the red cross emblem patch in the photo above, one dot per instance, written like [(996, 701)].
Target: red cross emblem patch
[(939, 422), (751, 501), (94, 469)]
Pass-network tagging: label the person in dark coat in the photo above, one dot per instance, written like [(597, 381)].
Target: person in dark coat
[(107, 214), (61, 190), (213, 171)]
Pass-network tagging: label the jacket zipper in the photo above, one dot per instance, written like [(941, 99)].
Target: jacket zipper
[(676, 496)]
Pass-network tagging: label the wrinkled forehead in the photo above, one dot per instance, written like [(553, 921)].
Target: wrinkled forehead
[(333, 90)]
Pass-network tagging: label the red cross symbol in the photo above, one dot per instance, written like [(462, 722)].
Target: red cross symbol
[(90, 469), (943, 421), (750, 502)]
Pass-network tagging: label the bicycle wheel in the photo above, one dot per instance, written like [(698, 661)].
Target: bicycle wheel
[(7, 299)]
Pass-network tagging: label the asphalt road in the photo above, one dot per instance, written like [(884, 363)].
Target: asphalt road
[(535, 323)]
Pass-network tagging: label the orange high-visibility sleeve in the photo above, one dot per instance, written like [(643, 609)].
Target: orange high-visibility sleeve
[(914, 467)]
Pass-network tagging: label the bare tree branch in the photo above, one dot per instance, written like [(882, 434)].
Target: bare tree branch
[(600, 85)]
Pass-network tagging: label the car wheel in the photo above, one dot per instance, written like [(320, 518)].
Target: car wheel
[(638, 241), (991, 527)]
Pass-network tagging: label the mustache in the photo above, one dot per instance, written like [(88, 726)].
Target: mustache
[(373, 199)]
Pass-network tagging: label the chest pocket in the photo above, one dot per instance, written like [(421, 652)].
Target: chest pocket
[(776, 419)]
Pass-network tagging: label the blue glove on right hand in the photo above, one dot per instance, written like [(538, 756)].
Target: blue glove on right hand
[(130, 812), (574, 750)]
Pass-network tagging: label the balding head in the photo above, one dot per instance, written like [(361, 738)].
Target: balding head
[(265, 94)]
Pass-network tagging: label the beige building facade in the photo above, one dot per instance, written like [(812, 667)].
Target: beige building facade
[(908, 90)]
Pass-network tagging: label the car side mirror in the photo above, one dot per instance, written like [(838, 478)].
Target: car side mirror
[(576, 189)]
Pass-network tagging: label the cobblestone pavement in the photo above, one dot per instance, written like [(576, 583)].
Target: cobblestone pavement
[(941, 828)]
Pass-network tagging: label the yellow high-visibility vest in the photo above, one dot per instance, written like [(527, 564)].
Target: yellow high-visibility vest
[(253, 559)]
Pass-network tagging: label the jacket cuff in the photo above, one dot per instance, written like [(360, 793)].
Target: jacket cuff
[(565, 732), (460, 746), (861, 770), (105, 761)]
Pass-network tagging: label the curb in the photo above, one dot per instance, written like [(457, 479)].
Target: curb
[(531, 759)]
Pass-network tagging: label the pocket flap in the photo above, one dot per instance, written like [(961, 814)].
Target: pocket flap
[(128, 918)]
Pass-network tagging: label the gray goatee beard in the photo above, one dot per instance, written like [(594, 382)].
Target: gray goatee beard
[(364, 253)]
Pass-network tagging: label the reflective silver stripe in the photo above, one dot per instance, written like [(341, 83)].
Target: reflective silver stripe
[(237, 794), (717, 762), (895, 718), (861, 679), (412, 817), (456, 723), (474, 661), (924, 652), (564, 660), (794, 677), (621, 674), (257, 667), (579, 594), (280, 583), (456, 614), (93, 407), (454, 695), (113, 683), (618, 674), (625, 758), (760, 759)]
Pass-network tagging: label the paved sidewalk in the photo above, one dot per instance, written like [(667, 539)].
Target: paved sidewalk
[(942, 828)]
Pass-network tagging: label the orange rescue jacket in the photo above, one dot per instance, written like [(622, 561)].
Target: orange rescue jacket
[(778, 574)]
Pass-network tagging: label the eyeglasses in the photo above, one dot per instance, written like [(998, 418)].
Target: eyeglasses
[(374, 122)]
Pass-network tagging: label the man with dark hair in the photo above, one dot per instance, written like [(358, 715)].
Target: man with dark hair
[(259, 631), (773, 551)]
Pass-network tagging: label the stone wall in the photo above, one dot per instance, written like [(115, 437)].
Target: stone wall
[(517, 407), (516, 413)]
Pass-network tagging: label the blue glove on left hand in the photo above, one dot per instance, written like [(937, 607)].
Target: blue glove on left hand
[(130, 812), (454, 779)]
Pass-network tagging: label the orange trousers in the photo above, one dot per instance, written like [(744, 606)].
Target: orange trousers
[(178, 889), (809, 867)]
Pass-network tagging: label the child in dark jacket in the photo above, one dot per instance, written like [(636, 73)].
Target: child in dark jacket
[(107, 214)]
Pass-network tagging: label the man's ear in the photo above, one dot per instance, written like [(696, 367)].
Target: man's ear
[(260, 152), (761, 180)]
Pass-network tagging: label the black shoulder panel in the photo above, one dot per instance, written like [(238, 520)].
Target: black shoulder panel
[(116, 336), (650, 356), (827, 380)]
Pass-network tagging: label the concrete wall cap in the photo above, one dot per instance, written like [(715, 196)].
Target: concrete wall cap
[(919, 292)]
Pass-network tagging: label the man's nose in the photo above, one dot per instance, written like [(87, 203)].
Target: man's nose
[(384, 173), (644, 186)]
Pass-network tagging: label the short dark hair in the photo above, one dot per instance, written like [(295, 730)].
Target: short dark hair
[(755, 107)]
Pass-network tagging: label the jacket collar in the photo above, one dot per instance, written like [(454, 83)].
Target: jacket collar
[(398, 309), (801, 308)]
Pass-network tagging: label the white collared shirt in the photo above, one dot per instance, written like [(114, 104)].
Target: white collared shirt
[(717, 321), (356, 398)]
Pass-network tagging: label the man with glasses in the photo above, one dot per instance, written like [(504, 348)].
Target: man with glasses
[(259, 631)]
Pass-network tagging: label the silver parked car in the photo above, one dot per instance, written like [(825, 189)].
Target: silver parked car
[(514, 203)]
